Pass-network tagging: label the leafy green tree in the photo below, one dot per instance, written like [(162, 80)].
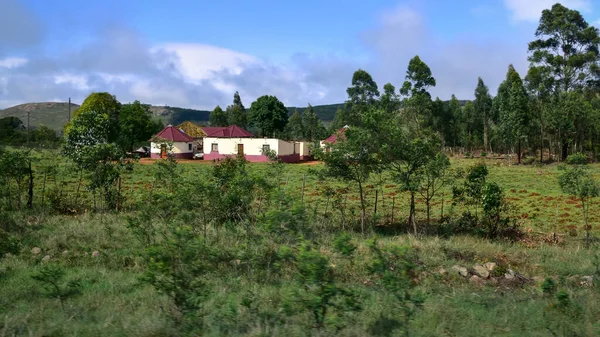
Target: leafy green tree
[(579, 182), (45, 136), (434, 178), (310, 121), (362, 96), (564, 58), (353, 158), (407, 157), (390, 102), (218, 117), (514, 112), (136, 125), (105, 104), (483, 106), (269, 115), (236, 113), (11, 130), (295, 128), (468, 116), (454, 110), (418, 103)]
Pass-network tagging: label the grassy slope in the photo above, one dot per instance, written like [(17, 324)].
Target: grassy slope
[(114, 302), (52, 114)]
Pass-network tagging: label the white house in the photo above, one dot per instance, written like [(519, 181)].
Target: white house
[(233, 140), (171, 141)]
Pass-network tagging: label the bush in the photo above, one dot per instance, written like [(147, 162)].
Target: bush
[(468, 154), (528, 160), (577, 159), (484, 154)]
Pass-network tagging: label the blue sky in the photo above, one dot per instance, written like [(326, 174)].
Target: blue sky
[(197, 53)]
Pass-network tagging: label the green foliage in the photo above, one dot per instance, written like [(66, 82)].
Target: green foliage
[(418, 105), (577, 159), (362, 96), (319, 292), (343, 244), (136, 125), (295, 129), (105, 105), (218, 117), (51, 278), (396, 268), (390, 102), (269, 115)]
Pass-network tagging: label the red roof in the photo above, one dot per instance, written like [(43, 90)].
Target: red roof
[(232, 131), (333, 138), (173, 134)]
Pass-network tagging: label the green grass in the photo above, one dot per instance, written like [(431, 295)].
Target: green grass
[(114, 301)]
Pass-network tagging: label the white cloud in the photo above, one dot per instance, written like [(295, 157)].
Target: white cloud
[(531, 10), (79, 82), (199, 62), (596, 23), (12, 62)]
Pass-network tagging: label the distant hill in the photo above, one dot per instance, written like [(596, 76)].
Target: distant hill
[(52, 114), (55, 114)]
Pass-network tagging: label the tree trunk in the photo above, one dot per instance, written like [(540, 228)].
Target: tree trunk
[(30, 199), (565, 150), (519, 152), (411, 216), (428, 204), (485, 132), (362, 207)]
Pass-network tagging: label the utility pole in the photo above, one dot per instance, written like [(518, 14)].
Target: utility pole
[(69, 109), (28, 130)]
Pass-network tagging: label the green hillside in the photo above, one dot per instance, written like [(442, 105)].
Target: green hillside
[(51, 114)]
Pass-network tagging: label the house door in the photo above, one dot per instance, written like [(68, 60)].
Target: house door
[(163, 151), (240, 149)]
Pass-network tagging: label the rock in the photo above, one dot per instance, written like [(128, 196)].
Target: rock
[(95, 253), (509, 275), (442, 271), (587, 281), (66, 252), (477, 280), (462, 271), (490, 266), (46, 258), (36, 250), (481, 271)]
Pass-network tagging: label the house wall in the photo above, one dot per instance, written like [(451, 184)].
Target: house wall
[(305, 151), (252, 148), (180, 150)]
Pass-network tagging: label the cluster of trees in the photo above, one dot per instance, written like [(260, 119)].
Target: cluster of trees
[(554, 109), (268, 117), (14, 132)]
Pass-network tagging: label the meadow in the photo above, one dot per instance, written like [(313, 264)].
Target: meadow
[(258, 281)]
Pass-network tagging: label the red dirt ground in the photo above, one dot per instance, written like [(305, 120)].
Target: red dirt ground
[(149, 161)]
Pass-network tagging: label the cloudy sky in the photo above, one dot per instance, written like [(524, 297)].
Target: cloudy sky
[(196, 54)]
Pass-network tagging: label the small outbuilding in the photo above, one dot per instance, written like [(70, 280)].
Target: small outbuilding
[(171, 141), (331, 140)]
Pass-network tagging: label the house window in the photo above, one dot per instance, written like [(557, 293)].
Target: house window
[(266, 148), (190, 147), (240, 148), (215, 147)]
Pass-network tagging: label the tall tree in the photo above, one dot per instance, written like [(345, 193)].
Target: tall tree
[(390, 102), (454, 110), (236, 113), (514, 111), (565, 58), (310, 122), (106, 104), (295, 128), (483, 106), (136, 125), (418, 103), (269, 115), (362, 96), (218, 117)]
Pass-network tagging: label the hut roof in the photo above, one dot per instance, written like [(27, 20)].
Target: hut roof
[(192, 129), (338, 135), (232, 131), (172, 134)]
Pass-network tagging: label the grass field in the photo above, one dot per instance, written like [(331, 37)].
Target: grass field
[(99, 251)]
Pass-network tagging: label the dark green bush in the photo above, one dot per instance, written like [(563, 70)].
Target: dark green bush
[(577, 159)]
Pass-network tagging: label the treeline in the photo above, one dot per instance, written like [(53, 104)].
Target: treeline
[(551, 112), (14, 132)]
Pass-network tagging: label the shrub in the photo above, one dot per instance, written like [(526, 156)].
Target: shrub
[(577, 159), (528, 160), (484, 154), (468, 154)]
